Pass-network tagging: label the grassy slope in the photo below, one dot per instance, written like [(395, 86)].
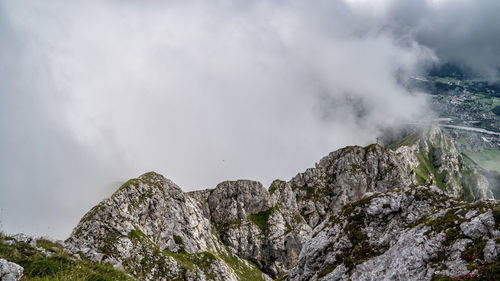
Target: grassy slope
[(426, 173), (486, 159), (59, 266)]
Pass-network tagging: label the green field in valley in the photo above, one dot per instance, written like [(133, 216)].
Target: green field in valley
[(486, 159)]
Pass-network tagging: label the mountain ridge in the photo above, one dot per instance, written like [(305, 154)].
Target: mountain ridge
[(240, 230)]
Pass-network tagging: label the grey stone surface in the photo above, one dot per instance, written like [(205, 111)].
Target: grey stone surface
[(10, 271), (273, 228), (408, 240), (145, 216), (432, 143)]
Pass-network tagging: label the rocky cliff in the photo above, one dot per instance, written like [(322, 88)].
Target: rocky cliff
[(432, 158), (352, 216), (407, 234), (149, 223), (153, 230)]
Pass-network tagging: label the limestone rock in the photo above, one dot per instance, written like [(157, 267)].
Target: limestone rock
[(10, 271), (269, 228), (432, 158), (150, 228), (345, 175), (145, 226), (235, 200), (406, 234)]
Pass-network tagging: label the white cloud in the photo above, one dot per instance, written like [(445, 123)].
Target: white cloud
[(198, 91)]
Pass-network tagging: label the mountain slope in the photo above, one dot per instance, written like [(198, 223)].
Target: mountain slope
[(432, 158), (149, 224), (156, 232), (241, 231), (43, 259), (407, 234)]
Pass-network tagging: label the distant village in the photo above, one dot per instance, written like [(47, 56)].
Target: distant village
[(464, 102)]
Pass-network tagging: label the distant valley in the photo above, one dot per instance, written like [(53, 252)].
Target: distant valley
[(468, 108)]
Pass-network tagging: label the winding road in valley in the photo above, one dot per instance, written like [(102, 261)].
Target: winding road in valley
[(478, 130)]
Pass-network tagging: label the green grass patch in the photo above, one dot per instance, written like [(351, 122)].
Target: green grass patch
[(464, 142), (448, 221), (409, 140), (488, 159), (178, 240), (48, 245), (59, 266), (446, 80), (246, 271), (136, 234), (451, 235), (426, 173), (474, 251), (260, 219), (326, 271), (275, 185), (483, 100)]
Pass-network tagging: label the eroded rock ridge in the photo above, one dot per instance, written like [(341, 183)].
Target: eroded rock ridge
[(296, 229)]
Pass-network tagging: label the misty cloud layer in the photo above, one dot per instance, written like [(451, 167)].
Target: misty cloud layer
[(96, 92), (463, 32)]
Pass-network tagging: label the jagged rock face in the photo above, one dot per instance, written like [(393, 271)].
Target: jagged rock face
[(235, 200), (270, 230), (344, 176), (433, 158), (408, 234), (267, 230), (146, 226), (10, 271), (153, 230), (156, 207), (296, 230), (231, 205)]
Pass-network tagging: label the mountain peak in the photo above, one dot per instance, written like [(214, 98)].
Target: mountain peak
[(240, 227)]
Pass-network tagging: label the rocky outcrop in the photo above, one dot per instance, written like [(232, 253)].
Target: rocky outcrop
[(149, 220), (23, 257), (269, 228), (154, 231), (257, 226), (407, 234), (156, 207), (231, 201), (434, 160), (10, 271), (344, 176)]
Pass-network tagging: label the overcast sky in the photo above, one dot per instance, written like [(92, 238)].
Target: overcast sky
[(96, 92)]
